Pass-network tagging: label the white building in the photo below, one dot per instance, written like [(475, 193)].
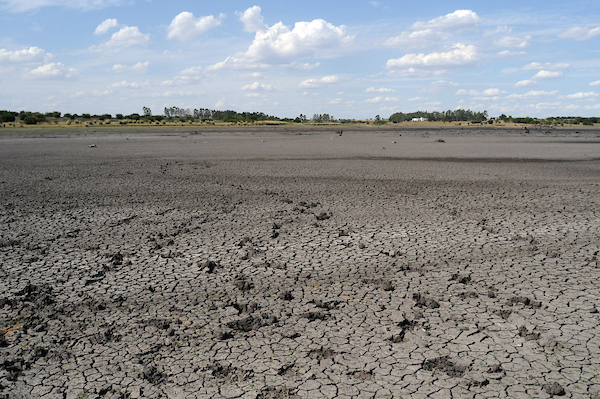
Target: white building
[(421, 119)]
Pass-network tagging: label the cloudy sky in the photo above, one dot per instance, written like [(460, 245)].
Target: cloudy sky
[(347, 58)]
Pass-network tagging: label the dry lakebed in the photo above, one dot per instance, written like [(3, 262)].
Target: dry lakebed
[(300, 263)]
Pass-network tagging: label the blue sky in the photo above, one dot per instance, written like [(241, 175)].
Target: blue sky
[(350, 59)]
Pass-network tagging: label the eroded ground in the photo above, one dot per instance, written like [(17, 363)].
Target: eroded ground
[(273, 264)]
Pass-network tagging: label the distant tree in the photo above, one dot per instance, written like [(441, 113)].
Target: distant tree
[(30, 120), (147, 111), (119, 116)]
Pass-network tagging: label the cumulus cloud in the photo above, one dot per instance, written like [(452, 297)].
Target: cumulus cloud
[(513, 42), (324, 81), (526, 83), (476, 93), (185, 77), (434, 31), (379, 90), (508, 53), (186, 27), (418, 38), (279, 45), (25, 56), (85, 5), (140, 67), (257, 87), (579, 33), (252, 19), (534, 93), (582, 95), (544, 74), (126, 84), (127, 37), (536, 66), (596, 83), (53, 70), (380, 99), (105, 26), (459, 55), (459, 19), (306, 66)]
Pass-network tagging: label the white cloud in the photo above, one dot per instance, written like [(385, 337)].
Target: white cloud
[(417, 38), (543, 74), (460, 55), (185, 77), (379, 90), (85, 5), (380, 99), (596, 83), (457, 20), (280, 45), (582, 95), (257, 87), (513, 42), (193, 71), (252, 19), (526, 83), (140, 67), (220, 103), (25, 56), (105, 26), (324, 81), (53, 70), (127, 37), (443, 83), (306, 66), (579, 33), (126, 84), (186, 27), (508, 53), (534, 93), (476, 93), (536, 66)]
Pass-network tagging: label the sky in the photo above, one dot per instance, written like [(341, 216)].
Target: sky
[(349, 59)]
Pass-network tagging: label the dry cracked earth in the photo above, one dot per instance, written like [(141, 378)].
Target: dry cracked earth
[(300, 264)]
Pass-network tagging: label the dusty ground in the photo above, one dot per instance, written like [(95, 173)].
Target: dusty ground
[(273, 263)]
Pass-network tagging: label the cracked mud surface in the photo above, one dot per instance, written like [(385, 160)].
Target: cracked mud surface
[(277, 264)]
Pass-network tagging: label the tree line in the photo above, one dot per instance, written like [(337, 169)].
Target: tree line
[(205, 114), (456, 115)]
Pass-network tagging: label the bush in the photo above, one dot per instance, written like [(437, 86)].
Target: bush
[(30, 120)]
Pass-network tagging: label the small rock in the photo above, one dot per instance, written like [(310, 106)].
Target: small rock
[(554, 389)]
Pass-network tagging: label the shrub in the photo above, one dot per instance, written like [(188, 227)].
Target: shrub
[(30, 120)]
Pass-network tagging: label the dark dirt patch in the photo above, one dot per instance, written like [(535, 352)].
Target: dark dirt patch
[(362, 375), (528, 335), (322, 353), (277, 393), (445, 365), (243, 284), (229, 373), (425, 302), (316, 315), (554, 389), (525, 301)]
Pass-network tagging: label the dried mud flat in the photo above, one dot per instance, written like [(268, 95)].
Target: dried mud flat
[(300, 264)]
